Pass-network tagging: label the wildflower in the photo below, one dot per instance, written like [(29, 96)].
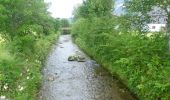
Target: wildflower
[(21, 74), (20, 88), (28, 77), (28, 70), (2, 97), (26, 60), (6, 86), (37, 61)]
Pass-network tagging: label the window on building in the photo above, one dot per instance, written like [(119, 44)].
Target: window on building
[(153, 27)]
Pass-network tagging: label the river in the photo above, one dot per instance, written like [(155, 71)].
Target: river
[(72, 80)]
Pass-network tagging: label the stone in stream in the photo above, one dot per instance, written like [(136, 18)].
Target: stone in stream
[(50, 78), (72, 58), (81, 59), (76, 58)]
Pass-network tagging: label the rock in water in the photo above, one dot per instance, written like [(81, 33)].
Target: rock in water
[(81, 59), (76, 58), (51, 78), (72, 58)]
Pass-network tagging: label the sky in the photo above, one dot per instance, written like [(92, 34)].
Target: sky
[(119, 7), (62, 8)]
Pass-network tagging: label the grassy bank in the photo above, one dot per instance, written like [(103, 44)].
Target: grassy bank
[(20, 66), (141, 62)]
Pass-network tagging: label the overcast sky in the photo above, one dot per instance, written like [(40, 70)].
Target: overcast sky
[(62, 8), (119, 7)]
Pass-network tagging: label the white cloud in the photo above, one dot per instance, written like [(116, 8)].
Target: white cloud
[(62, 8)]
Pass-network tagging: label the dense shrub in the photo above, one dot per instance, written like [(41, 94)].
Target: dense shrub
[(8, 72), (26, 33), (20, 66), (141, 62)]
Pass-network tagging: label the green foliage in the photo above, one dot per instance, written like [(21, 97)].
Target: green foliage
[(23, 45), (81, 11), (20, 66), (57, 24), (141, 62), (138, 10), (94, 8), (100, 8), (10, 70), (64, 23), (42, 45), (26, 34), (16, 15)]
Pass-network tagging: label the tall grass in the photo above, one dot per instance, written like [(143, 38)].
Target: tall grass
[(21, 64)]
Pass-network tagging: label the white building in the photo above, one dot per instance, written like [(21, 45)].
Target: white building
[(158, 20), (156, 27), (158, 17)]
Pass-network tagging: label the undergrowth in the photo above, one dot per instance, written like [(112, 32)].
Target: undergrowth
[(141, 62), (20, 65)]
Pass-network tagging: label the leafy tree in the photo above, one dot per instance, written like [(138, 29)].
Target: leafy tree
[(64, 23), (94, 8), (140, 9), (100, 8), (17, 14), (25, 26), (81, 11), (56, 24)]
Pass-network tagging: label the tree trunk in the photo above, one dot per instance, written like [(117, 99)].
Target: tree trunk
[(168, 29), (168, 24)]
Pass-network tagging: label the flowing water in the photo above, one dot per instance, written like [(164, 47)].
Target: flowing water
[(72, 80)]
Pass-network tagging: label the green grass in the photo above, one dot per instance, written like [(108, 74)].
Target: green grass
[(20, 66)]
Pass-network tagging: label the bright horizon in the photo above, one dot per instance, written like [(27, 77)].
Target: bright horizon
[(62, 8)]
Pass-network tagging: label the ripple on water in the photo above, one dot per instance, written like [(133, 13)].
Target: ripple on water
[(78, 80)]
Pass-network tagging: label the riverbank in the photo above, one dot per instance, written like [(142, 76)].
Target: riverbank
[(141, 62), (20, 66)]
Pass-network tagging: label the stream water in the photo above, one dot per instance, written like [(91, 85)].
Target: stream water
[(72, 80)]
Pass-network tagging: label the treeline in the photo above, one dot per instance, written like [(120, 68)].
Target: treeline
[(26, 32), (119, 43)]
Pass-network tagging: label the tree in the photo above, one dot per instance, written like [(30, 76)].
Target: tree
[(56, 24), (100, 8), (64, 23), (19, 15), (94, 8), (81, 11), (140, 8)]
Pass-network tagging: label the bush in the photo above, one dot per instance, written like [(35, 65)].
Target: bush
[(22, 45), (141, 62), (20, 66), (10, 69)]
